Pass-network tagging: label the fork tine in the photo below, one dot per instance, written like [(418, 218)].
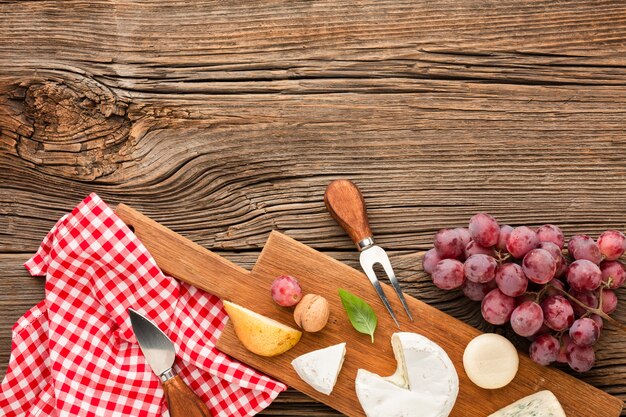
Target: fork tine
[(369, 271), (384, 261)]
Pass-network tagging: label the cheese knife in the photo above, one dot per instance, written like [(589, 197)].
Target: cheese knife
[(347, 206), (160, 354)]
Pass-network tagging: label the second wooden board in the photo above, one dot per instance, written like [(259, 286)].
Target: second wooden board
[(323, 275)]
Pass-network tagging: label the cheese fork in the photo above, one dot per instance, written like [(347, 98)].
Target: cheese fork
[(345, 203)]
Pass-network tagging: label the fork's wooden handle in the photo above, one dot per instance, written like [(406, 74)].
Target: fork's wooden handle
[(345, 203), (182, 401)]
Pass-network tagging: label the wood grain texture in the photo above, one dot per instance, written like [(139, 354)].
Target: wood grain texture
[(325, 275), (182, 401), (227, 121)]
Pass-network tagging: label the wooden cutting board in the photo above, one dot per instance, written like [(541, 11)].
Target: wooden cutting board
[(321, 274)]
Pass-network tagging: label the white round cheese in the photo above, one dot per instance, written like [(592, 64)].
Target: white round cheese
[(424, 385), (490, 361)]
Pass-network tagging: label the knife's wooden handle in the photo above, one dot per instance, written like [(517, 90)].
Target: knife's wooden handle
[(182, 401), (345, 203)]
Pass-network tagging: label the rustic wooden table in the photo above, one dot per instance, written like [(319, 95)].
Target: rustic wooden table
[(226, 121)]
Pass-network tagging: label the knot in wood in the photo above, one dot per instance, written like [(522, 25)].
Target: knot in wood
[(78, 130)]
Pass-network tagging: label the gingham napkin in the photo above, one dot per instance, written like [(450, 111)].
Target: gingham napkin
[(75, 354)]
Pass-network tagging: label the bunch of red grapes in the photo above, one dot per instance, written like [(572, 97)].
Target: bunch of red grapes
[(522, 276)]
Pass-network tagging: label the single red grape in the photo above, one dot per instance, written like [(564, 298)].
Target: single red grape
[(497, 307), (588, 298), (286, 291), (583, 275), (557, 312), (475, 291), (584, 332), (511, 280), (448, 274), (505, 232), (464, 234), (551, 247), (580, 358), (565, 342), (484, 229), (609, 301), (527, 318), (551, 233), (557, 254), (561, 267), (612, 244), (613, 271), (431, 259), (598, 321), (544, 349), (480, 268), (449, 244), (539, 266), (584, 247), (474, 248), (521, 241)]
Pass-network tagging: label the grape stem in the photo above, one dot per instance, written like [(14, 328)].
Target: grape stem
[(597, 311), (542, 292), (502, 257)]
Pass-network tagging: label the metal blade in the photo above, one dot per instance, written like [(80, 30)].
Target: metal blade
[(375, 254), (369, 271), (155, 345)]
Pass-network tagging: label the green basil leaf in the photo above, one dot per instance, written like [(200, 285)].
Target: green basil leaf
[(360, 313)]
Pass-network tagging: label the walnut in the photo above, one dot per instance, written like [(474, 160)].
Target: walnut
[(311, 313)]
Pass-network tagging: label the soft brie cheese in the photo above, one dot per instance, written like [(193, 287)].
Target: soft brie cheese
[(540, 404), (425, 384), (320, 368)]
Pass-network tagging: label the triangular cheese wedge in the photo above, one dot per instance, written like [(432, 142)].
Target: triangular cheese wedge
[(542, 403), (424, 385), (320, 368)]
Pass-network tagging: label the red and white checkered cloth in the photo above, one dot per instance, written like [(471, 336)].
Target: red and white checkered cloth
[(75, 354)]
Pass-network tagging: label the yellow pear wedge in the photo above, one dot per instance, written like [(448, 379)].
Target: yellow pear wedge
[(259, 334)]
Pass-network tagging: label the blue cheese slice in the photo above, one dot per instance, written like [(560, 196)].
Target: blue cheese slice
[(540, 404), (320, 368)]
